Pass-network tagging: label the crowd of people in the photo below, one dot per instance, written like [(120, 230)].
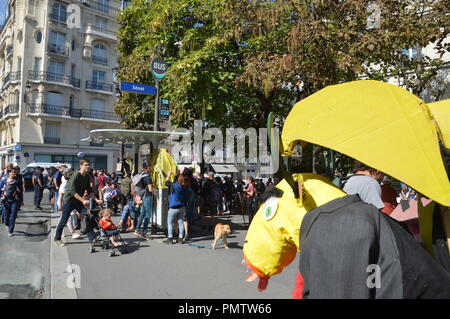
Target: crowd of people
[(193, 199)]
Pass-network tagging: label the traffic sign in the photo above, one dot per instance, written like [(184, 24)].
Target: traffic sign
[(159, 68), (138, 88)]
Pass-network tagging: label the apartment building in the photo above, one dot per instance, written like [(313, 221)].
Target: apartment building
[(57, 81)]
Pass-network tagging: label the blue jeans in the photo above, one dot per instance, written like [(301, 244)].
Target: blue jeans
[(38, 192), (175, 213), (146, 213), (68, 207), (127, 211), (10, 213), (55, 205)]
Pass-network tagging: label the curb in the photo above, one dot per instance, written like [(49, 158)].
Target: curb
[(60, 268)]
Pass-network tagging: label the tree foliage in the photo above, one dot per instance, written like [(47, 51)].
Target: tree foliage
[(232, 62)]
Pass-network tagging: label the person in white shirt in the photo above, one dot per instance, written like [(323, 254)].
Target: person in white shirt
[(74, 216)]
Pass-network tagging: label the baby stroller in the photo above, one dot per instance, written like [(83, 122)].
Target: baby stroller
[(104, 241)]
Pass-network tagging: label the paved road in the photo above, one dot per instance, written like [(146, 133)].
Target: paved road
[(153, 269), (25, 258), (150, 270)]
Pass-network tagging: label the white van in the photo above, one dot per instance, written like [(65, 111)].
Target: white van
[(30, 167)]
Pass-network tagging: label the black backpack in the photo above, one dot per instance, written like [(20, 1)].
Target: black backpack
[(11, 190)]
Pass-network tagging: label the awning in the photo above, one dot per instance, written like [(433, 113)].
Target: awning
[(224, 168), (136, 137)]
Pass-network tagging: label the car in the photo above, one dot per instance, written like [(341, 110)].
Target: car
[(28, 171)]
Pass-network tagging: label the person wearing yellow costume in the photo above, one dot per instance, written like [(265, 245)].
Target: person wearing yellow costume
[(348, 249)]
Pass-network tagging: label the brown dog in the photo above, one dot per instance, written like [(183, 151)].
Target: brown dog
[(221, 231)]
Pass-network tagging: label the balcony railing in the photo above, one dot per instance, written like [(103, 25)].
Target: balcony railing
[(10, 109), (110, 116), (52, 140), (54, 77), (99, 59), (72, 112), (100, 6), (100, 86), (11, 76), (102, 30), (62, 17), (58, 49)]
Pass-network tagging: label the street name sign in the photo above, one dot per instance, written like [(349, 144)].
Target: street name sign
[(138, 88)]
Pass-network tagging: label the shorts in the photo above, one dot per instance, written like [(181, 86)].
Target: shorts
[(114, 232)]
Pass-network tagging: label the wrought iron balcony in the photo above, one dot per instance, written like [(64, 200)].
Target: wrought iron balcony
[(52, 140), (11, 76), (58, 49), (100, 86), (72, 112), (100, 6), (10, 110), (54, 77), (99, 59), (100, 115), (96, 144)]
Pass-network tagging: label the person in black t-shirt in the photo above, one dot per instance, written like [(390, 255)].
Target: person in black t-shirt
[(38, 184)]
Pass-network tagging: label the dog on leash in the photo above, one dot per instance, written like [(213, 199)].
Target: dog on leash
[(221, 231)]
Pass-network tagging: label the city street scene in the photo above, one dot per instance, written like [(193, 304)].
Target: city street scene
[(224, 149)]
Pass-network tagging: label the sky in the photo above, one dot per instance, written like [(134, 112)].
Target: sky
[(2, 11)]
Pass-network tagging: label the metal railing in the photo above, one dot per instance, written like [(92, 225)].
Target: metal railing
[(10, 109), (58, 49), (62, 17), (100, 115), (53, 77), (99, 59), (100, 86), (98, 29), (52, 140), (97, 5), (72, 112), (11, 76)]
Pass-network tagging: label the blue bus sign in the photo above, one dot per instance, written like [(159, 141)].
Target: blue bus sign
[(137, 88)]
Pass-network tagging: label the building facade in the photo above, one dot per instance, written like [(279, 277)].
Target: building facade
[(57, 82)]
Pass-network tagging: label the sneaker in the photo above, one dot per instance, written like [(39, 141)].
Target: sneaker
[(91, 248), (60, 243), (76, 236), (168, 240), (10, 234), (186, 238), (148, 236), (182, 240), (39, 207)]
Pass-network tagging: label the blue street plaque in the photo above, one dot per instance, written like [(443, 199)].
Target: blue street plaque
[(138, 88)]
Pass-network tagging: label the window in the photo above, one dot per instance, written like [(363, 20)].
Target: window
[(59, 12), (103, 5), (98, 76), (72, 70), (54, 98), (38, 37), (55, 71), (19, 64), (37, 64), (73, 45), (101, 23), (100, 54), (71, 101), (97, 105), (52, 133), (57, 40)]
